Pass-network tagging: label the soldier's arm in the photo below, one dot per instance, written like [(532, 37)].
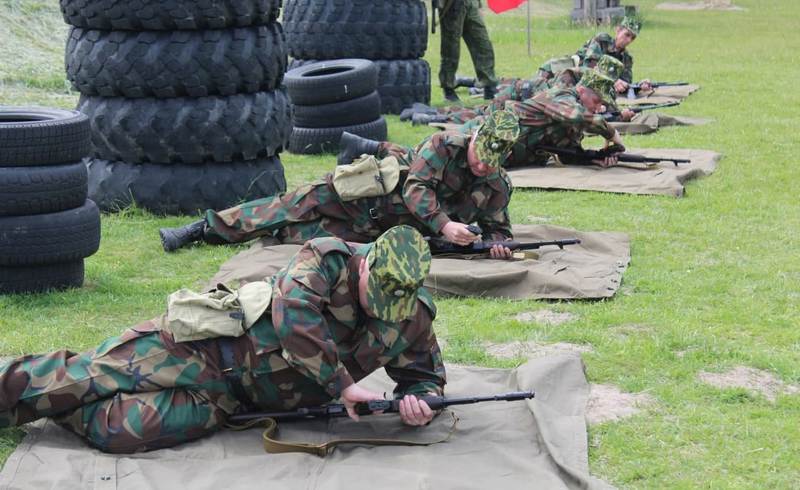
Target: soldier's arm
[(627, 72), (565, 110), (416, 364), (299, 298), (424, 175)]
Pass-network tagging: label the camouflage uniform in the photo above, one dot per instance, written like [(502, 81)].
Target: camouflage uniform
[(517, 89), (463, 18), (591, 52), (555, 117), (436, 186), (142, 390)]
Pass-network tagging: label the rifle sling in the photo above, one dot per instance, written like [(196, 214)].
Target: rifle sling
[(274, 446)]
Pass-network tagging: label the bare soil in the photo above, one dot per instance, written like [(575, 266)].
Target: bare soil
[(753, 380), (545, 317), (532, 350), (607, 404)]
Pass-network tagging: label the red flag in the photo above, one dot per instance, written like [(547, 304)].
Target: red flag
[(500, 6)]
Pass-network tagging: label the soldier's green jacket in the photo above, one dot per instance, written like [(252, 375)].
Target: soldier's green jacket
[(555, 117), (436, 186), (514, 89), (591, 52), (142, 390)]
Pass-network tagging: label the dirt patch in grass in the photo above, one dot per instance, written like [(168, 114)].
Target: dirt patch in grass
[(531, 350), (753, 380), (607, 403), (545, 317), (704, 5), (632, 330)]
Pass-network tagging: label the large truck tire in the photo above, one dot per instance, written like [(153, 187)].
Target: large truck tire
[(41, 278), (326, 140), (42, 189), (168, 15), (42, 136), (189, 130), (176, 63), (348, 112), (183, 189), (327, 30), (326, 82), (50, 238)]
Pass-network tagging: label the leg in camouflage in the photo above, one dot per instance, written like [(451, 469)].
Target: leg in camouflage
[(137, 391), (480, 47), (452, 27)]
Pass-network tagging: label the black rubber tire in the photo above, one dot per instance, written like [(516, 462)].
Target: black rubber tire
[(189, 129), (42, 136), (326, 82), (49, 238), (400, 83), (37, 190), (326, 140), (183, 189), (372, 29), (168, 15), (346, 113), (41, 278), (176, 63)]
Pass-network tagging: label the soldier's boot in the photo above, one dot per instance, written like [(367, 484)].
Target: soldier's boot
[(352, 146), (174, 238), (416, 107), (451, 95), (465, 81), (489, 92), (419, 119)]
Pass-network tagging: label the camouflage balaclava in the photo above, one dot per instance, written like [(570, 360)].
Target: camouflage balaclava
[(398, 261), (601, 79), (496, 136), (632, 24)]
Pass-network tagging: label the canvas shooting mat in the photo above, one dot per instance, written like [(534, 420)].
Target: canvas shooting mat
[(592, 269), (650, 122), (665, 179), (660, 95), (539, 443)]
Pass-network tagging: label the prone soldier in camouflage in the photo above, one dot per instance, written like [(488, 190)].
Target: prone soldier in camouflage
[(594, 49), (338, 312), (441, 190), (462, 18), (560, 116)]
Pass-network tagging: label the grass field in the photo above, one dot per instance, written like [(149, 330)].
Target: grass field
[(715, 277)]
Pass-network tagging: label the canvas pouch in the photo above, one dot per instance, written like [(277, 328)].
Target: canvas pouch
[(366, 177)]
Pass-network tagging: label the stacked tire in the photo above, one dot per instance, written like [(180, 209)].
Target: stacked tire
[(391, 33), (47, 225), (331, 97), (185, 100)]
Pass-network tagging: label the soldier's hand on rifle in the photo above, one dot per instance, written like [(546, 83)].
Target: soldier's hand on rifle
[(621, 86), (354, 394), (455, 232), (414, 411), (611, 160), (626, 115), (645, 85), (500, 252)]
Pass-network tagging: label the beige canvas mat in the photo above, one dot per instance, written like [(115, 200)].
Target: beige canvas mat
[(661, 95), (540, 443), (665, 179), (650, 122), (592, 269)]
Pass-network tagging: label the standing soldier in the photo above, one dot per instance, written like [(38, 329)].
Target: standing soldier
[(451, 180), (462, 18), (337, 312)]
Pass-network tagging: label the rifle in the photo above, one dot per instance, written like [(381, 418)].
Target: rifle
[(370, 407), (634, 88), (441, 247), (615, 115), (613, 150)]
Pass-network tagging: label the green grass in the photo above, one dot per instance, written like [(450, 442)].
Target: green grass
[(715, 275)]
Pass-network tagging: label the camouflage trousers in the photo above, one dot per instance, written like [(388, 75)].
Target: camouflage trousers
[(463, 19), (311, 211), (510, 89), (142, 391)]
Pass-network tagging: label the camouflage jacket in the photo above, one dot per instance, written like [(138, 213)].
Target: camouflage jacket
[(601, 44), (554, 117), (440, 187), (318, 323)]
